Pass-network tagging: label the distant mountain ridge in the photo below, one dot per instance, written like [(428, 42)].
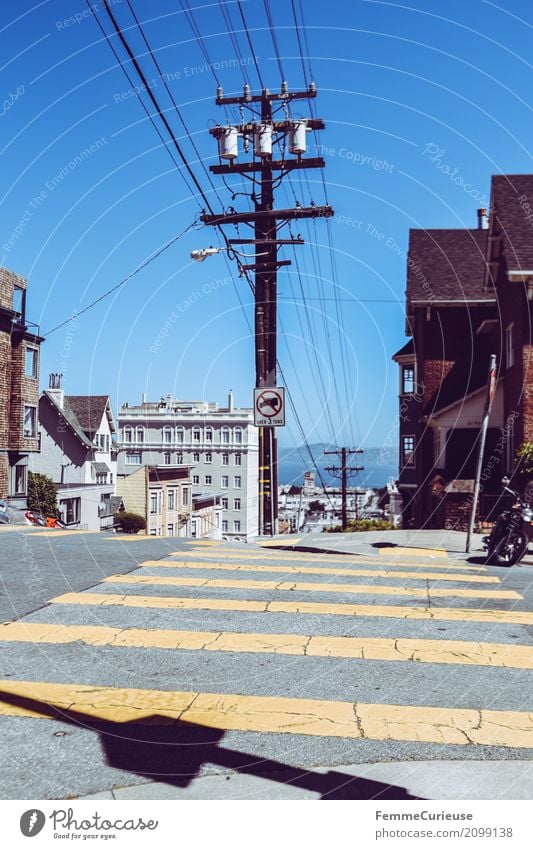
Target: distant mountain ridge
[(380, 464)]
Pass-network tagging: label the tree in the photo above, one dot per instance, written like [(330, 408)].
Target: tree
[(294, 490), (316, 507), (130, 523), (42, 495)]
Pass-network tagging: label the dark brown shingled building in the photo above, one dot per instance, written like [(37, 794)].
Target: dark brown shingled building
[(469, 294)]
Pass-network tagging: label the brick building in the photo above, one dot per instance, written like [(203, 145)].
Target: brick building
[(469, 294), (19, 389)]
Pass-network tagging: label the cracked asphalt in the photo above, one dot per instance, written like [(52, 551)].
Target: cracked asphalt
[(217, 684)]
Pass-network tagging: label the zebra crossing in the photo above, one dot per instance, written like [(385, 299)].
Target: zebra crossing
[(398, 657)]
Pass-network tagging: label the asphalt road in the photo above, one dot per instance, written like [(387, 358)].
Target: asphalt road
[(171, 669)]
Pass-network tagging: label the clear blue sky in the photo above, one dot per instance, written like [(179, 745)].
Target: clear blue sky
[(393, 79)]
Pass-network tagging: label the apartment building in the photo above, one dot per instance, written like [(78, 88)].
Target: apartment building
[(19, 389), (162, 496), (79, 454), (220, 445)]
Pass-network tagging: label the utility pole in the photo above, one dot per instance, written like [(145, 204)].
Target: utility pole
[(265, 222), (344, 453)]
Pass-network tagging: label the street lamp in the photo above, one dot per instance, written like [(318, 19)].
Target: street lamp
[(200, 254)]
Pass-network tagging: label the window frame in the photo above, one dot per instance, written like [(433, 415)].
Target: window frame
[(408, 463), (509, 346), (407, 367), (33, 409), (34, 373)]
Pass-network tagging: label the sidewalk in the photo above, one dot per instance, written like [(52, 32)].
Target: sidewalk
[(428, 543)]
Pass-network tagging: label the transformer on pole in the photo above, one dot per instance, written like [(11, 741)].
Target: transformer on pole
[(262, 135)]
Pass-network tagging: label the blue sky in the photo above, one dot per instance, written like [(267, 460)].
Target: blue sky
[(422, 103)]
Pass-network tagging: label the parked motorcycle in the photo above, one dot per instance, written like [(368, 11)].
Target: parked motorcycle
[(512, 532)]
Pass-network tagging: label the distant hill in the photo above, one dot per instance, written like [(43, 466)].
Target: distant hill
[(380, 465)]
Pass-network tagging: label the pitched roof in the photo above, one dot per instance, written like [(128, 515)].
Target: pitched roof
[(88, 410), (69, 418), (512, 214), (407, 350), (447, 265)]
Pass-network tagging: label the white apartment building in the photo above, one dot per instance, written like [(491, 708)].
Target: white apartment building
[(219, 443)]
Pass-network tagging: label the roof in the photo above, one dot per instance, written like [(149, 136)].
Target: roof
[(88, 410), (69, 417), (407, 350), (512, 216), (100, 468), (447, 265)]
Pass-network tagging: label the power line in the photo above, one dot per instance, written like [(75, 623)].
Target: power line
[(124, 280), (248, 36)]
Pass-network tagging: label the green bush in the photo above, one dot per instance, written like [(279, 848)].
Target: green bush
[(524, 457), (360, 525), (130, 523), (42, 495)]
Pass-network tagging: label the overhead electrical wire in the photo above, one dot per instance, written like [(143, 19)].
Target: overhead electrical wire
[(124, 280), (248, 36)]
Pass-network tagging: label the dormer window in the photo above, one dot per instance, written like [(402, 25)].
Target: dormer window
[(408, 380)]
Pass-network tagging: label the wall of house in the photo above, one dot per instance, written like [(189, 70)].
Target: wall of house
[(62, 457), (132, 488)]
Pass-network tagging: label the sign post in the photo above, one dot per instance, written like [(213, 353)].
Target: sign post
[(489, 398)]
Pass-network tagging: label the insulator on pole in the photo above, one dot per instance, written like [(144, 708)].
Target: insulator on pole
[(228, 143), (220, 92), (298, 137), (284, 89), (246, 91), (312, 87), (263, 140)]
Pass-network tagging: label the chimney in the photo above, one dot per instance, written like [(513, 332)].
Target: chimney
[(482, 219), (55, 389), (230, 401)]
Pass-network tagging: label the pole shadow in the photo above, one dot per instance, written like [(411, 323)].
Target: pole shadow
[(173, 751)]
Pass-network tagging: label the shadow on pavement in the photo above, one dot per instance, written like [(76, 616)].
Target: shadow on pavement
[(173, 751)]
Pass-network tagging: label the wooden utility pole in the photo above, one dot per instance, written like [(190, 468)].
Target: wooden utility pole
[(344, 469), (265, 221), (489, 398)]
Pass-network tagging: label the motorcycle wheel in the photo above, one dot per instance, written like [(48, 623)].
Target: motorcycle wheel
[(509, 550)]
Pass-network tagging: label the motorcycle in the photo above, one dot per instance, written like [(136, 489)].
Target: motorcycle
[(512, 532)]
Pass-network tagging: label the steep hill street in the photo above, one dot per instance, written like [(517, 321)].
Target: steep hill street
[(158, 668)]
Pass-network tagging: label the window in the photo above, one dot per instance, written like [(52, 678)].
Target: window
[(238, 460), (31, 362), (225, 459), (209, 434), (167, 435), (185, 496), (196, 435), (101, 478), (509, 347), (208, 480), (20, 480), (153, 503), (237, 504), (225, 503), (408, 449), (208, 457), (237, 435), (237, 526), (170, 500), (139, 432), (408, 380), (179, 457), (224, 526), (70, 510), (126, 434), (30, 421), (224, 481), (170, 530), (196, 457), (179, 436), (167, 458), (237, 481), (196, 479), (133, 459), (225, 435), (18, 299)]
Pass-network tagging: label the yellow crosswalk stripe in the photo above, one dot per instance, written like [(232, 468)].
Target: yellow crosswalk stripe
[(317, 570), (281, 542), (358, 648), (237, 556), (438, 614), (267, 714), (287, 586), (54, 532)]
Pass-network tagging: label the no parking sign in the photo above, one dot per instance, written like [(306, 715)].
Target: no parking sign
[(269, 406)]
